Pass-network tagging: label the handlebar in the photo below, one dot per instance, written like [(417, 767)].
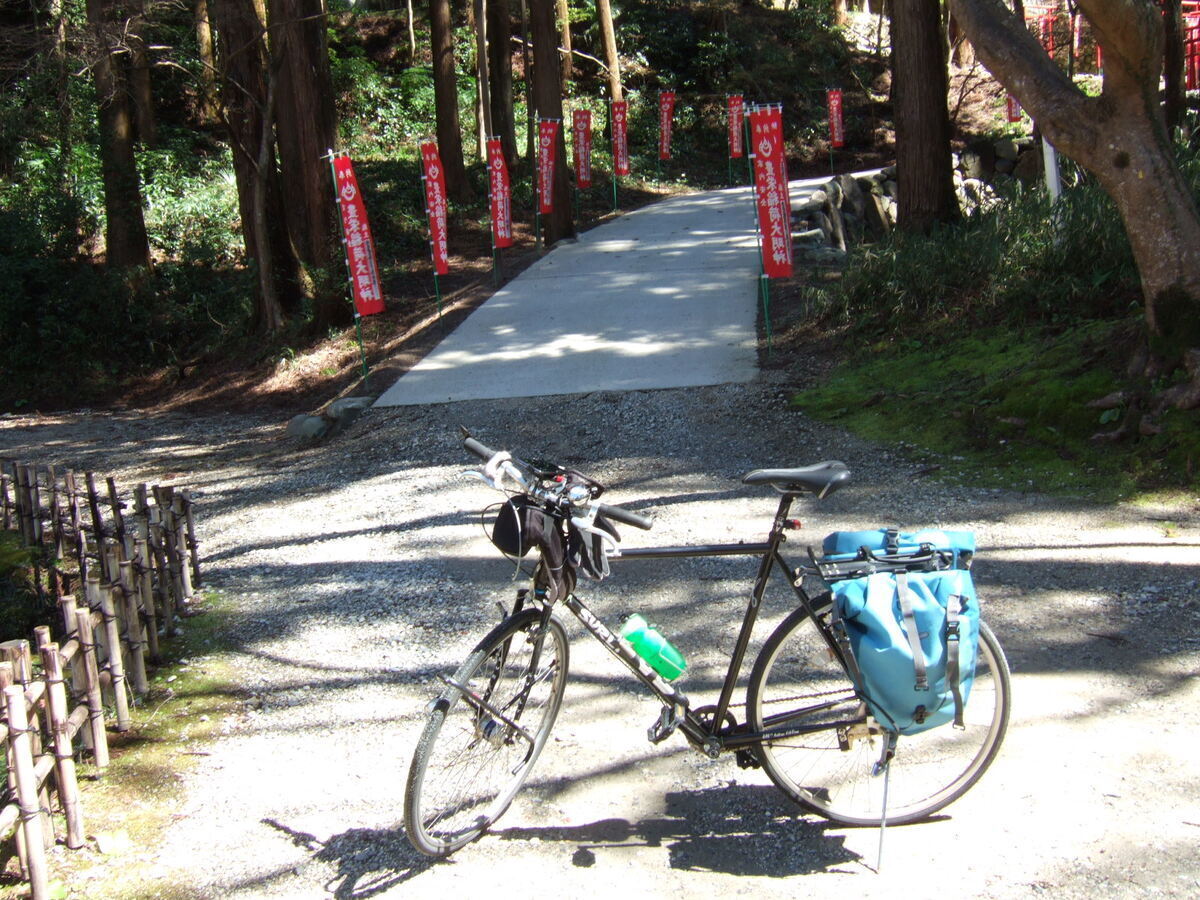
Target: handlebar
[(519, 470)]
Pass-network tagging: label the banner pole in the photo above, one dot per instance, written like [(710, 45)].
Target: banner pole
[(362, 352), (765, 283), (437, 292)]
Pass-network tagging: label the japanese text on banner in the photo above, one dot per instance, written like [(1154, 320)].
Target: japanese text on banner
[(581, 120), (620, 137), (360, 248), (736, 110), (771, 190), (547, 151), (837, 129), (500, 193), (435, 206), (666, 118)]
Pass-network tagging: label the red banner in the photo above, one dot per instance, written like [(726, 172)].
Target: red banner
[(666, 118), (771, 190), (620, 137), (500, 194), (435, 206), (1014, 109), (736, 125), (581, 121), (547, 150), (360, 249), (837, 127)]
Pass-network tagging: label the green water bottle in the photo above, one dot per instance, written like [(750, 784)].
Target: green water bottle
[(655, 649)]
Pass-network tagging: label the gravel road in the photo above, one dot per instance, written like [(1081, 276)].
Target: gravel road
[(356, 571)]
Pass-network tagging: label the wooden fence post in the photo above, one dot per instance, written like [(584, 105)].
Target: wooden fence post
[(134, 635), (116, 666), (17, 652), (5, 504), (58, 713), (87, 645), (21, 759), (192, 544)]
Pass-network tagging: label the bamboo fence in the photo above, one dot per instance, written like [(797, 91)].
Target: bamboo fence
[(136, 566)]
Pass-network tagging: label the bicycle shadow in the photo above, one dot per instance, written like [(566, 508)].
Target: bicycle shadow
[(733, 830)]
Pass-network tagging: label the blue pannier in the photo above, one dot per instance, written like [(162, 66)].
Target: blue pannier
[(847, 545), (914, 638)]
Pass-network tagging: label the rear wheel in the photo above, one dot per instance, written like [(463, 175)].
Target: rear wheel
[(485, 732), (797, 680)]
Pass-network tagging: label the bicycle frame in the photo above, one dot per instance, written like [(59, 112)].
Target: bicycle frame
[(711, 737)]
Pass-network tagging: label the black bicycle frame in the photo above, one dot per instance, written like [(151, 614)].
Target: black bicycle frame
[(697, 730)]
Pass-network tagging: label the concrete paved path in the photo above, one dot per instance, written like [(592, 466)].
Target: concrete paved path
[(664, 296)]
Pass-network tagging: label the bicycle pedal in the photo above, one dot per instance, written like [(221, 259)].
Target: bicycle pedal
[(748, 759), (667, 722)]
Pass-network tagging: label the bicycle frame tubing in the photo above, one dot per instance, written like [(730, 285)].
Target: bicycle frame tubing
[(696, 730)]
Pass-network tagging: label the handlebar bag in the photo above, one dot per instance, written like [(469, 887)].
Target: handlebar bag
[(914, 639), (847, 545)]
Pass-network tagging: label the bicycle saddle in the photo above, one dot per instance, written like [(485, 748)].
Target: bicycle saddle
[(822, 479)]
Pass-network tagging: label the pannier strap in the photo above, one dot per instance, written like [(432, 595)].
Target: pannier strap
[(911, 632), (953, 608)]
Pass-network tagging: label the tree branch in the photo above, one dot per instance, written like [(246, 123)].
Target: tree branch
[(1016, 58)]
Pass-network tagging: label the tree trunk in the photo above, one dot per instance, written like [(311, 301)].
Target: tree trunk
[(608, 37), (412, 35), (125, 226), (568, 64), (924, 166), (482, 82), (500, 74), (207, 111), (306, 130), (139, 77), (247, 113), (445, 98), (1121, 138), (547, 96), (1173, 64)]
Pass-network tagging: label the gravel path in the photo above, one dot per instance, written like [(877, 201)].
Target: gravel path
[(356, 571)]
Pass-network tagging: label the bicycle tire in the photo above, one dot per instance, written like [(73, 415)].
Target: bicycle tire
[(831, 773), (469, 763)]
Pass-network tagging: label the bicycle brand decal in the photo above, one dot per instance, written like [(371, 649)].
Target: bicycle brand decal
[(613, 643)]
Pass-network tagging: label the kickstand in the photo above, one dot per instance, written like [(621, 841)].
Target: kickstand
[(884, 767)]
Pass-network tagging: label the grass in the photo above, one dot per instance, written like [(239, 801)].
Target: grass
[(1008, 407)]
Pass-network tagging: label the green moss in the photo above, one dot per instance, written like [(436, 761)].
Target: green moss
[(1010, 407)]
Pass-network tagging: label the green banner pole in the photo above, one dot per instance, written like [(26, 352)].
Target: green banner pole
[(437, 292), (765, 283)]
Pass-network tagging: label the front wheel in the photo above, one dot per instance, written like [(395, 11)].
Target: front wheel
[(798, 681), (485, 732)]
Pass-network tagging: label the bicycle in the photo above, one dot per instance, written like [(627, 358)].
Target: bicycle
[(804, 723)]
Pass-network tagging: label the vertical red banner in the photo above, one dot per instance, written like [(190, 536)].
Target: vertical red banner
[(736, 110), (771, 190), (1013, 109), (620, 136), (547, 151), (837, 125), (666, 119), (500, 194), (581, 126), (360, 248), (435, 206)]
